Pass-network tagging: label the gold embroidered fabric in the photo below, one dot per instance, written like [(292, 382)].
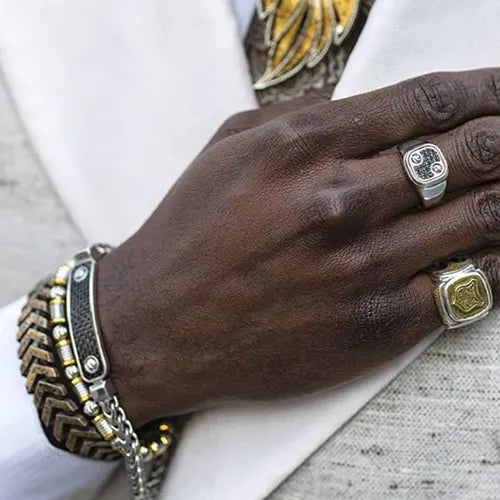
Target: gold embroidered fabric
[(298, 33), (297, 64)]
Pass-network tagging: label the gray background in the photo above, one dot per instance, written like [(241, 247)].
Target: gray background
[(36, 233), (432, 433)]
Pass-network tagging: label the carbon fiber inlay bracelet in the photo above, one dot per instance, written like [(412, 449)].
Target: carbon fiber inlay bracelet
[(71, 316)]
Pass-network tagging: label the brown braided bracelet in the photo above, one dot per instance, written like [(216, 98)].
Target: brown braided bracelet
[(62, 417)]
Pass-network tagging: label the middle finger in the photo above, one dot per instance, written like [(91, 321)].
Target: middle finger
[(471, 150)]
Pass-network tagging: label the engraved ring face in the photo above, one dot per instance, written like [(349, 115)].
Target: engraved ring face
[(463, 296), (426, 165)]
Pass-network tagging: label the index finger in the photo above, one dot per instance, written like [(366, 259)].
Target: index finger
[(372, 122)]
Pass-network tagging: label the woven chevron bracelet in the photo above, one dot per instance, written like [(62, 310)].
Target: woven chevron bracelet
[(65, 366)]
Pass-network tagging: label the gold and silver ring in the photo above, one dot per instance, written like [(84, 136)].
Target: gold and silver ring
[(427, 169), (463, 294)]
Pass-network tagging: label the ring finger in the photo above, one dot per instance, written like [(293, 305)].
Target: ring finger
[(421, 287), (470, 221)]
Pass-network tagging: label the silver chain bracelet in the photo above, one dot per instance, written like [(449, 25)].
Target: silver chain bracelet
[(128, 444)]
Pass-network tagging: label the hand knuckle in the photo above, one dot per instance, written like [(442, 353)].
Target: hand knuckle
[(380, 265), (481, 147), (487, 211), (381, 313), (328, 210), (294, 134), (438, 97), (336, 209)]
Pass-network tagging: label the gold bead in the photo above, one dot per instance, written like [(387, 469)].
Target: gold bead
[(109, 436), (77, 380), (63, 342), (98, 419), (58, 321), (57, 301), (85, 398)]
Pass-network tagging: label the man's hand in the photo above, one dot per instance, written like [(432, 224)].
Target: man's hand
[(292, 255)]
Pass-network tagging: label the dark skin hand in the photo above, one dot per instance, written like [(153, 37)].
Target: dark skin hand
[(291, 255)]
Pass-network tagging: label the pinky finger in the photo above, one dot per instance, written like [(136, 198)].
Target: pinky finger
[(489, 261)]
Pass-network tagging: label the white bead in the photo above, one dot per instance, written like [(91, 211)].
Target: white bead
[(91, 408), (57, 292), (81, 390), (65, 353), (62, 273), (71, 372), (57, 310), (59, 332)]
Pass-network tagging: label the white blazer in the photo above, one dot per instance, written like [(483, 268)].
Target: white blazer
[(93, 82)]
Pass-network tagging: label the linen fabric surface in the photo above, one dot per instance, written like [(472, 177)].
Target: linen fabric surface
[(431, 433), (93, 84)]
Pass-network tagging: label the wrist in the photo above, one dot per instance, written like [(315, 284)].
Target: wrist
[(146, 368)]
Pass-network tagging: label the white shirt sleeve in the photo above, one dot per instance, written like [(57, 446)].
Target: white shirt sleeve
[(30, 467)]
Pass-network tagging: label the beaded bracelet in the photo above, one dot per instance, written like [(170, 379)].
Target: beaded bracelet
[(89, 420)]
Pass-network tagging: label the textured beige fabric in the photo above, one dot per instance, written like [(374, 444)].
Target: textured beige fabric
[(432, 433)]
